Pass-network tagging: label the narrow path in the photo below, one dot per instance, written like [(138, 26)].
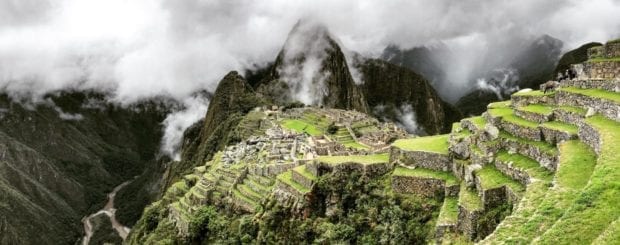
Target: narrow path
[(110, 211)]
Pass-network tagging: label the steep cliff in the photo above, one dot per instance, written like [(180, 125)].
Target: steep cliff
[(391, 89), (311, 68), (60, 157)]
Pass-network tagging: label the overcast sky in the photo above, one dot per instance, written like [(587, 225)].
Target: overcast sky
[(137, 49), (142, 48)]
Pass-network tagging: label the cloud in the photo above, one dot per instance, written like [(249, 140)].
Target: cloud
[(144, 48), (175, 124)]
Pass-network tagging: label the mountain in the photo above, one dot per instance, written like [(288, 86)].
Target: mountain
[(394, 91), (575, 56), (59, 158), (540, 168), (312, 68)]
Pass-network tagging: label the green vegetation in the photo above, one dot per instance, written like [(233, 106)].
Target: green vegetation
[(491, 178), (512, 118), (469, 199), (287, 178), (573, 109), (531, 166), (560, 126), (596, 93), (301, 127), (361, 159), (596, 207), (601, 59), (538, 109), (304, 172), (449, 211), (500, 112), (543, 146), (448, 177), (479, 121), (437, 144), (356, 145)]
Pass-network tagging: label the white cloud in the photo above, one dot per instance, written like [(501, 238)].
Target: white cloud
[(143, 48)]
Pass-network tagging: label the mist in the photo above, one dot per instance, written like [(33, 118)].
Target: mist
[(136, 50)]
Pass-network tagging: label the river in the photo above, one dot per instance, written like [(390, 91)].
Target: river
[(110, 211)]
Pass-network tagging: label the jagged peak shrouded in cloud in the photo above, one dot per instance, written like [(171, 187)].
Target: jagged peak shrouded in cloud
[(140, 49)]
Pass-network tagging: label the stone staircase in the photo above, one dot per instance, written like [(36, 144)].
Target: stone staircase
[(537, 154)]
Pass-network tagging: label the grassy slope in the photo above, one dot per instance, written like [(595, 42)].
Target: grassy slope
[(596, 207), (437, 144)]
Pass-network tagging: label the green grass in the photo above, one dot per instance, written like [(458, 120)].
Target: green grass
[(601, 59), (573, 109), (500, 112), (479, 121), (287, 178), (304, 172), (578, 161), (301, 127), (455, 127), (491, 178), (356, 145), (596, 207), (448, 177), (437, 144), (247, 189), (240, 195), (499, 104), (361, 159), (469, 199), (560, 126), (531, 166), (449, 212), (538, 109), (596, 93), (512, 118), (543, 146)]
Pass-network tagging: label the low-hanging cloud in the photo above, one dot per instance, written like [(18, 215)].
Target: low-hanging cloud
[(144, 48)]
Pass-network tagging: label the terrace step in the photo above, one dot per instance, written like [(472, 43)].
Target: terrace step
[(249, 193), (569, 114), (424, 182), (555, 132), (470, 210), (265, 181), (257, 187), (518, 126), (474, 124), (496, 188), (544, 153), (243, 202), (602, 84), (520, 99), (302, 176), (448, 218), (576, 164), (598, 191), (425, 152), (602, 101), (286, 180), (610, 235), (521, 168), (535, 112)]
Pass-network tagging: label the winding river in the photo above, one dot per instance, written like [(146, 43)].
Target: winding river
[(110, 211)]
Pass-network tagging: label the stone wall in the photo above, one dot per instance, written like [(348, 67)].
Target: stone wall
[(368, 170), (429, 160), (608, 108), (468, 222), (590, 136), (602, 69), (427, 187), (547, 160), (609, 85), (271, 170)]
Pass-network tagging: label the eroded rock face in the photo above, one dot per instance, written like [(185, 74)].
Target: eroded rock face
[(312, 69)]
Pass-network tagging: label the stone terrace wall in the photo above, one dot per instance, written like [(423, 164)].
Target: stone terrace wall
[(602, 69), (429, 160)]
